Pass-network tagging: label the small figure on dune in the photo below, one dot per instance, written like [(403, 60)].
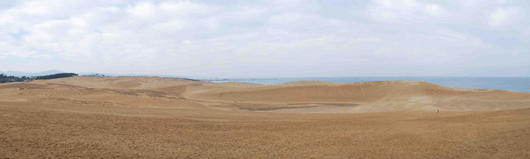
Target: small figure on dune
[(437, 111)]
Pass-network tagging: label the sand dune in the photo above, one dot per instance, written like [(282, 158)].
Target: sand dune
[(151, 117), (376, 96), (380, 96)]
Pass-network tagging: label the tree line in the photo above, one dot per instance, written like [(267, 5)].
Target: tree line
[(4, 78)]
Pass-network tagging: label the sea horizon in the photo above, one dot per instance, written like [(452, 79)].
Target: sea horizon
[(519, 84)]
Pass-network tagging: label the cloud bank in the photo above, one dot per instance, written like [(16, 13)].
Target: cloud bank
[(287, 38)]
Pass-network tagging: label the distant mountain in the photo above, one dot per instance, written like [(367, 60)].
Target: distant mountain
[(20, 74)]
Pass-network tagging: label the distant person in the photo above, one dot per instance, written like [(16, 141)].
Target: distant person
[(437, 111)]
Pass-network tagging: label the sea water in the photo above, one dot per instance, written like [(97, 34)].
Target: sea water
[(521, 84)]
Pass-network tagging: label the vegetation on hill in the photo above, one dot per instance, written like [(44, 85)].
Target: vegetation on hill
[(4, 78), (54, 76)]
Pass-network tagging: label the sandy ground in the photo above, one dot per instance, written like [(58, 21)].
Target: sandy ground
[(148, 117)]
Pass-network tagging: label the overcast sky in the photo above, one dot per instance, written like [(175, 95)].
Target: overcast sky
[(277, 38)]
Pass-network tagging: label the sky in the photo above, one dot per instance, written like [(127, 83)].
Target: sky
[(269, 38)]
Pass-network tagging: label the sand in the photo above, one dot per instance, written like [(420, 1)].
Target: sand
[(150, 117)]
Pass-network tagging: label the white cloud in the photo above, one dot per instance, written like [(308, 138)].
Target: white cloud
[(410, 10), (233, 37), (527, 32), (433, 9), (111, 9), (448, 35), (287, 2), (383, 15), (34, 7), (288, 18), (170, 26), (179, 35), (397, 3), (4, 19), (47, 31), (143, 9), (470, 3), (111, 35), (383, 50), (356, 60), (245, 12), (369, 39), (232, 14), (501, 1), (185, 7), (504, 16), (79, 22)]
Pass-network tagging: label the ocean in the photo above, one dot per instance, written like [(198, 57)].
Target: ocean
[(520, 84)]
